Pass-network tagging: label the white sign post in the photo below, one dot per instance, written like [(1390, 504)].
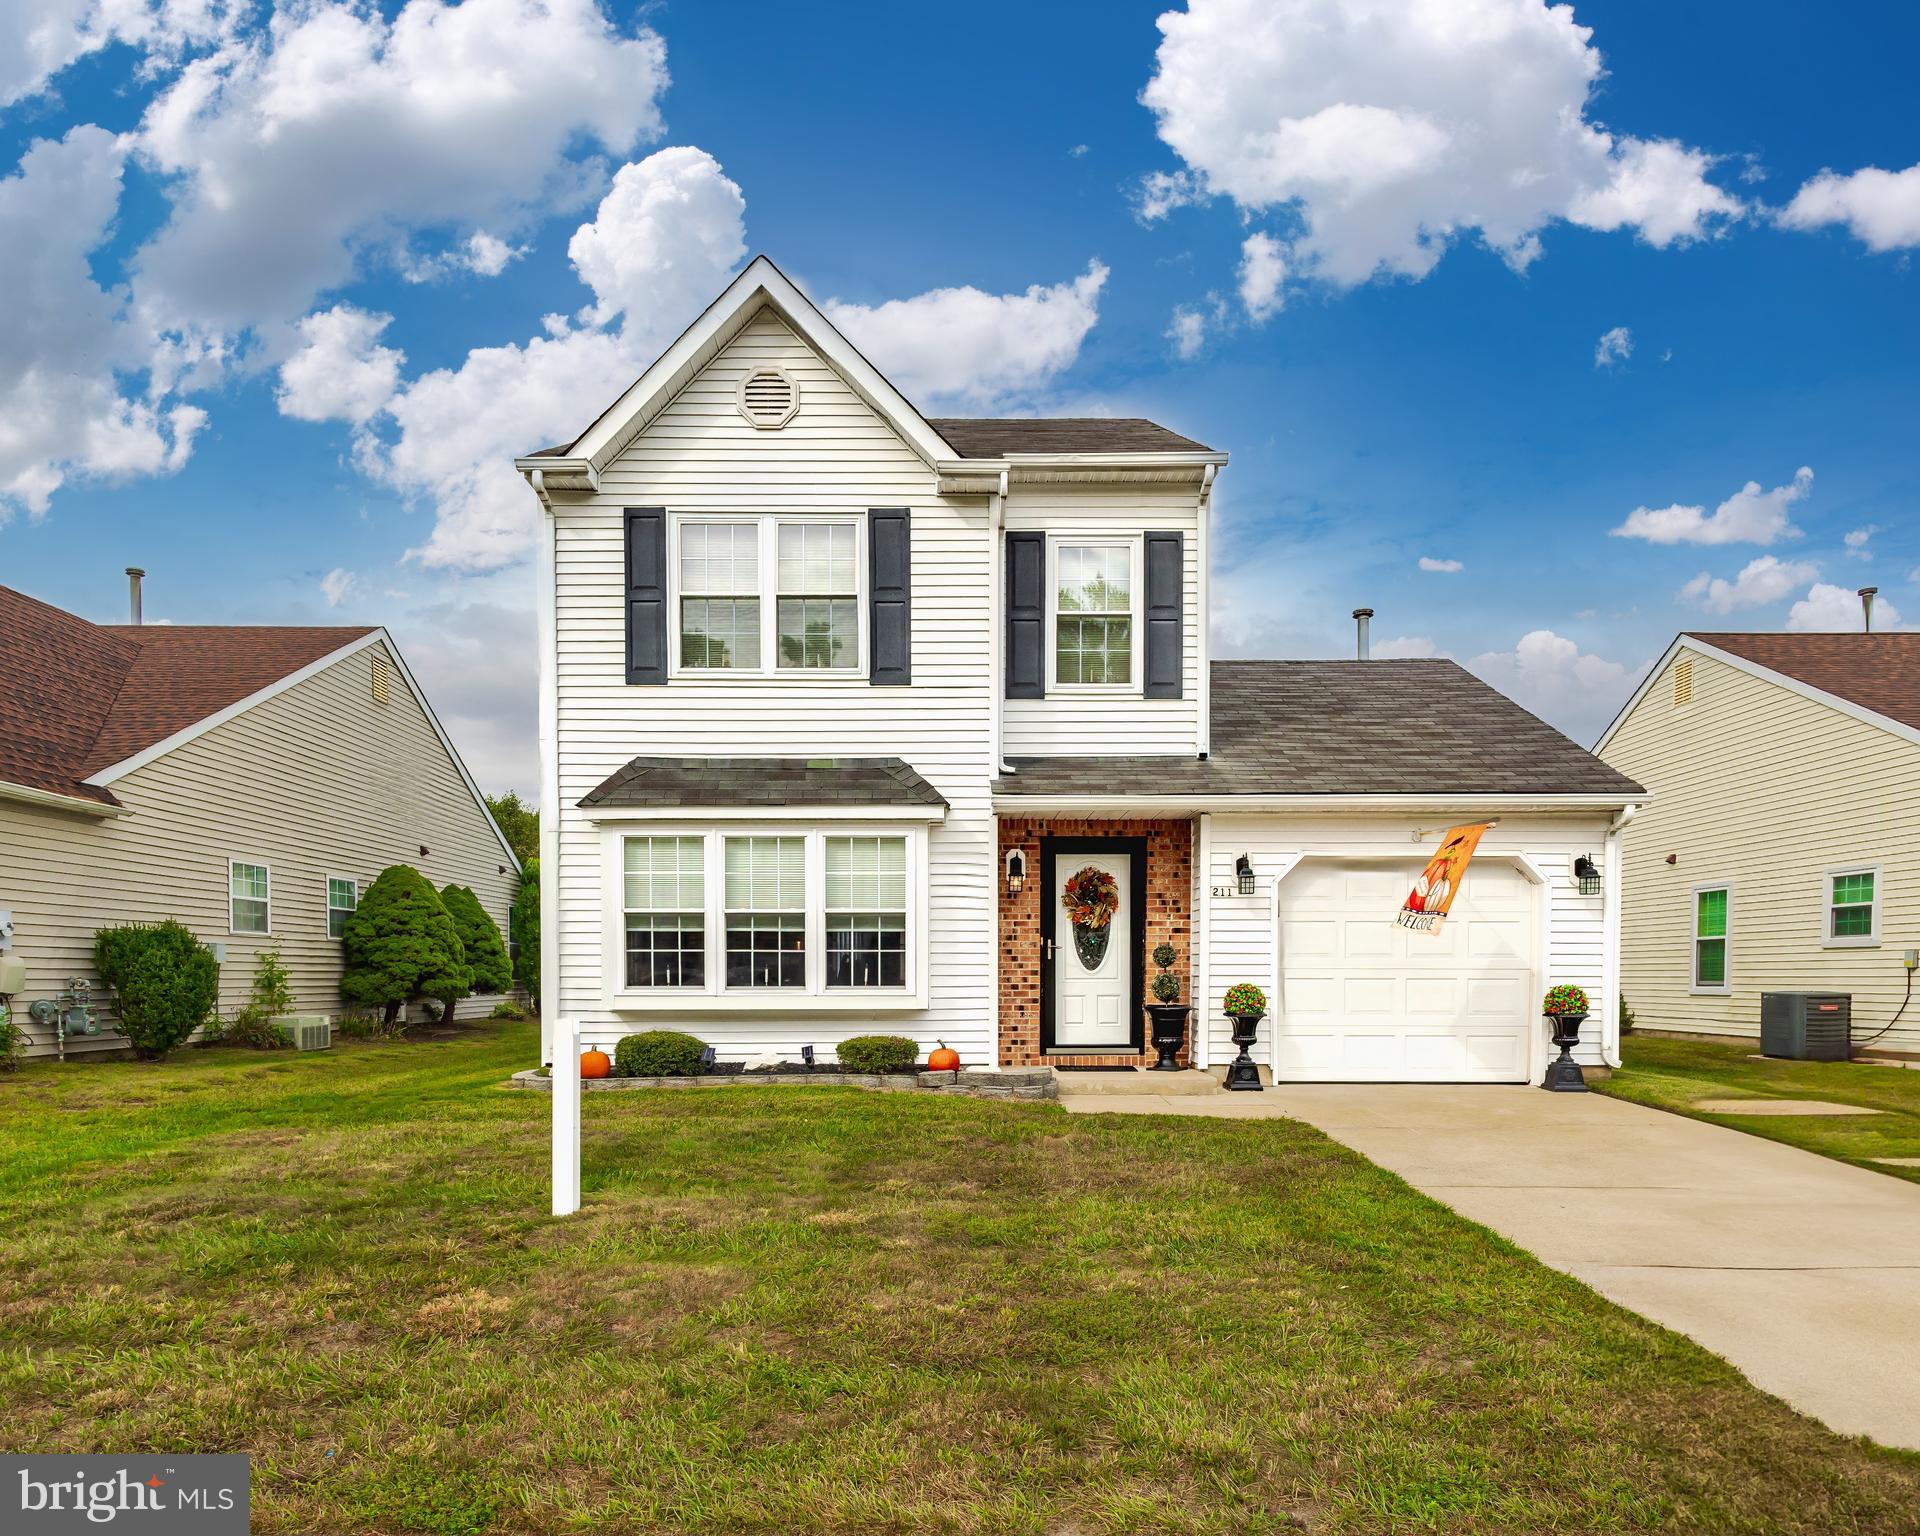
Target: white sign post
[(566, 1116)]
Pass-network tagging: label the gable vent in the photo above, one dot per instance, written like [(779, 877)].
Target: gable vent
[(769, 397), (382, 679), (1683, 682)]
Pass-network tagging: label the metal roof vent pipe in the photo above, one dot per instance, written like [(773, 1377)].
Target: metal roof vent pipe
[(1362, 640), (1866, 596), (134, 573)]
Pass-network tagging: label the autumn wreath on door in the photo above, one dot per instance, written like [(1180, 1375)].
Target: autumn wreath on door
[(1091, 898)]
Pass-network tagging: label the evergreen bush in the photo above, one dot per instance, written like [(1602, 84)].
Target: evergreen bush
[(659, 1053), (399, 945), (877, 1053), (165, 982)]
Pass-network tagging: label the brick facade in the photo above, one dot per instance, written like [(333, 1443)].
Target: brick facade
[(1169, 898)]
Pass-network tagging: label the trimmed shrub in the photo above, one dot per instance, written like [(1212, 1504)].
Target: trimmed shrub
[(524, 923), (399, 945), (877, 1053), (659, 1053), (1564, 1000), (486, 950), (1166, 987), (1245, 997), (164, 979)]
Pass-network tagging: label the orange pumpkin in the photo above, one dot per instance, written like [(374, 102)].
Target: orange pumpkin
[(945, 1059), (596, 1063)]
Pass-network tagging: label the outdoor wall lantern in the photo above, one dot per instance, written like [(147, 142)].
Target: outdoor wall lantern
[(1016, 871), (1588, 874), (1243, 872)]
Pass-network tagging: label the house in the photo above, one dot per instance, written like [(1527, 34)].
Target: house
[(1782, 850), (836, 697), (250, 782)]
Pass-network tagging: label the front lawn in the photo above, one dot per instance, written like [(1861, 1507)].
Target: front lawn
[(1677, 1074), (791, 1309)]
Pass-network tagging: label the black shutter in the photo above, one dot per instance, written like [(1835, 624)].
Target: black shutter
[(1166, 582), (1026, 616), (889, 597), (646, 594)]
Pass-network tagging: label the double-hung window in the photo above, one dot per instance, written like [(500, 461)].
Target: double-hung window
[(249, 898), (1853, 908), (1094, 631), (766, 911), (1712, 927), (343, 895), (664, 896), (866, 911), (720, 596), (769, 594)]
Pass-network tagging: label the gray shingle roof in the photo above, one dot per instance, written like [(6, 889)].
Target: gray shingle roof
[(724, 781), (990, 437), (1346, 728)]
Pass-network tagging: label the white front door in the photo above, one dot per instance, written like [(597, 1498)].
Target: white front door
[(1364, 1000), (1092, 973)]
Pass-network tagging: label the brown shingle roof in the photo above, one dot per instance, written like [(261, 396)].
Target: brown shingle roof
[(990, 437), (712, 781), (1426, 727), (77, 697), (1877, 672)]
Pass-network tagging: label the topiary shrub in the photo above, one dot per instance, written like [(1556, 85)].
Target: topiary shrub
[(399, 945), (877, 1053), (1166, 987), (486, 950), (524, 923), (1243, 997), (659, 1053), (164, 979)]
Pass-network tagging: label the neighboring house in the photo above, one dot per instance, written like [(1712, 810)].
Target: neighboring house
[(1781, 852), (250, 782), (824, 680)]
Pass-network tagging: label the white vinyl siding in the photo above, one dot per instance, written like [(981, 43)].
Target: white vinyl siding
[(1772, 791), (1092, 722), (249, 898), (270, 786), (832, 462)]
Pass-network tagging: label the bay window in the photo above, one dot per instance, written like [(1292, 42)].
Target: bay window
[(664, 901), (766, 911), (769, 594), (866, 911)]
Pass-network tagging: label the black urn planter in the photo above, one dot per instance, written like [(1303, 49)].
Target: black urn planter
[(1168, 1033), (1242, 1075), (1563, 1073)]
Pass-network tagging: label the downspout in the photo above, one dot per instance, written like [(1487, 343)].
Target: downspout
[(997, 620), (1611, 864), (1205, 615), (996, 705), (547, 609)]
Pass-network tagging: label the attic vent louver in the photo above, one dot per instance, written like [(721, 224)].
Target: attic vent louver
[(769, 397), (382, 680), (1683, 682)]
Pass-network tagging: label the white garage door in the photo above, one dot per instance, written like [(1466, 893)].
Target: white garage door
[(1365, 1000)]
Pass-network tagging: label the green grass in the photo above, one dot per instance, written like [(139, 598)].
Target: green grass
[(789, 1309), (1676, 1074)]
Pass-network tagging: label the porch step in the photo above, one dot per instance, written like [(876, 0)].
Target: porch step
[(1135, 1082)]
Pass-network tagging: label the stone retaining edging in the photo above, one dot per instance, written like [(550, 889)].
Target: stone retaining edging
[(979, 1083)]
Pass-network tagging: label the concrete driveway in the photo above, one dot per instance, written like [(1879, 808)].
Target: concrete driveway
[(1804, 1272)]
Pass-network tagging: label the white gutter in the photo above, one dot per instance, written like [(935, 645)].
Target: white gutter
[(550, 914), (59, 802), (1084, 801), (996, 624)]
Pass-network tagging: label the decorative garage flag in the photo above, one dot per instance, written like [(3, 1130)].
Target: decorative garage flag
[(1433, 893)]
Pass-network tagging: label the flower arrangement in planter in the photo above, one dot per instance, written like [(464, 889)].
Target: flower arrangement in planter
[(1091, 897), (1567, 1006), (1167, 1013), (1246, 1005)]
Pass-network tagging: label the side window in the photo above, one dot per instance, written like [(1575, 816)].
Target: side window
[(249, 898), (1711, 928), (1853, 907), (1093, 622), (343, 895)]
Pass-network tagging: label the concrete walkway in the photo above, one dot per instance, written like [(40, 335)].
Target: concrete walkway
[(1802, 1271)]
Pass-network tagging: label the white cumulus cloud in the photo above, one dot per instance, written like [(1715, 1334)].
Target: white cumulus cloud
[(338, 585), (1187, 331), (1263, 269), (1857, 541), (1442, 567), (1389, 130), (1404, 647), (1764, 580), (1827, 608), (1569, 688), (1614, 346), (40, 38), (340, 372), (1880, 208), (965, 347), (1749, 516)]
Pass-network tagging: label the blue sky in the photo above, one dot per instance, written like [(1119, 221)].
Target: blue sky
[(278, 282)]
